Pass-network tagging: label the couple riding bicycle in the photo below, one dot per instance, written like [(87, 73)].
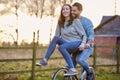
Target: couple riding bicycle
[(73, 31)]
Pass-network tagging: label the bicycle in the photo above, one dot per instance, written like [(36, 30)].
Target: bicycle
[(59, 75)]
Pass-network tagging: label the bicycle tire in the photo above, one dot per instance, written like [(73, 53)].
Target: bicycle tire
[(84, 74), (93, 74), (59, 75)]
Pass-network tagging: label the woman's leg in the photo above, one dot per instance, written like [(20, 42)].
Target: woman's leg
[(65, 48), (51, 48), (56, 40)]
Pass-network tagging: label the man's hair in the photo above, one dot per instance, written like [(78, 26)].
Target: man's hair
[(78, 5)]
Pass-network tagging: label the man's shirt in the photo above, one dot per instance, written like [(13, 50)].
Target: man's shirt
[(88, 26)]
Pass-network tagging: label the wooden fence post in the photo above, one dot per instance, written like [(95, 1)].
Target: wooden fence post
[(94, 57), (118, 60), (34, 58), (38, 37)]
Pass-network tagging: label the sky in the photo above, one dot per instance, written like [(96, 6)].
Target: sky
[(93, 9)]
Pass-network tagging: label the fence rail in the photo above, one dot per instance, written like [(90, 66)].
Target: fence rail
[(33, 59)]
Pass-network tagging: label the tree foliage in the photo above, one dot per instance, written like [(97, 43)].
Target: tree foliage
[(31, 7), (39, 8)]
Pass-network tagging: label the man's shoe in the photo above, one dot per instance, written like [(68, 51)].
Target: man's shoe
[(42, 63), (70, 73), (89, 77)]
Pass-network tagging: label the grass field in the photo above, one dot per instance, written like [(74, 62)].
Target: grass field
[(102, 73)]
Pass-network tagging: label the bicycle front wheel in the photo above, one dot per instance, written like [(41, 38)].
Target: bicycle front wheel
[(59, 74)]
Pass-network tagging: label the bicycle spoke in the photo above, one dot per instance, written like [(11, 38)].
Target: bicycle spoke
[(71, 78)]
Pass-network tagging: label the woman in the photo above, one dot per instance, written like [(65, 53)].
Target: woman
[(70, 36)]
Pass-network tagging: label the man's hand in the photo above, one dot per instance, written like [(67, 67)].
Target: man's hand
[(87, 46), (82, 47)]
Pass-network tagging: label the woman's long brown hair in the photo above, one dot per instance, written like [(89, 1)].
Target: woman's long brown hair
[(61, 19)]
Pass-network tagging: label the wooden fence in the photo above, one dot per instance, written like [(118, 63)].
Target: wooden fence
[(33, 59)]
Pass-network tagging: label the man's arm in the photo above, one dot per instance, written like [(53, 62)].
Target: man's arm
[(90, 32), (87, 45)]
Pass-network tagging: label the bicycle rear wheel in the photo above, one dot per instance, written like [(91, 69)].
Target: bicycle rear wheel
[(83, 75), (93, 74)]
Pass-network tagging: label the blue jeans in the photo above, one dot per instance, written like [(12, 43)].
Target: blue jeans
[(64, 48), (82, 57)]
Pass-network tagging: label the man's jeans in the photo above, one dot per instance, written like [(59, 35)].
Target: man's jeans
[(81, 58), (64, 47)]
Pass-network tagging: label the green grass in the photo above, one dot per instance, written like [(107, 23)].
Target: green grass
[(102, 73), (106, 76)]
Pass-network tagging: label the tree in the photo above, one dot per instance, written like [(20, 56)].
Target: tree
[(39, 8), (11, 7), (35, 7), (5, 7), (9, 35)]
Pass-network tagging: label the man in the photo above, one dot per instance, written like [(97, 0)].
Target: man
[(88, 26)]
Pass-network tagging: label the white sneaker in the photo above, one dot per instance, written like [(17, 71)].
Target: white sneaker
[(70, 73)]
